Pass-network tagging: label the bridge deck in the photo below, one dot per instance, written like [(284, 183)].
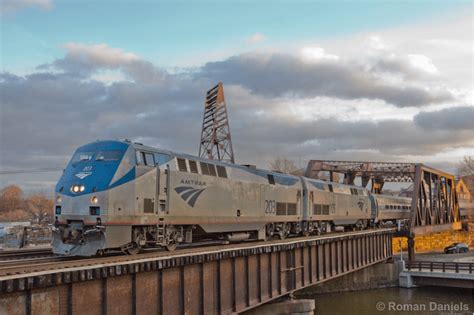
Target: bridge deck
[(213, 280), (436, 273)]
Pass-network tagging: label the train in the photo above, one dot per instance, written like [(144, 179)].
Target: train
[(126, 196)]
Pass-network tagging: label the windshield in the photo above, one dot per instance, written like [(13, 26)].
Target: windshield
[(82, 156), (109, 156), (98, 156)]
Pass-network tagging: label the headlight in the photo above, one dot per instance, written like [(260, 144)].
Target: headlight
[(94, 199), (77, 188), (58, 199)]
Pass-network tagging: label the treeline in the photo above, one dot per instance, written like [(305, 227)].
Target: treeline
[(14, 206)]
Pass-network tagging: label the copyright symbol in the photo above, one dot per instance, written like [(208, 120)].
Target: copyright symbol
[(380, 306)]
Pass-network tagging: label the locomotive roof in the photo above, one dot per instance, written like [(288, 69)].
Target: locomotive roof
[(141, 146)]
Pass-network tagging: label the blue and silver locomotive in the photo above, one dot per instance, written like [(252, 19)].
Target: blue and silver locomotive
[(118, 195)]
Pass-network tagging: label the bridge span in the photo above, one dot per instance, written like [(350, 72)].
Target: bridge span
[(209, 280)]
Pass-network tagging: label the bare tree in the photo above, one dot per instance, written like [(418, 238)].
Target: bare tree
[(41, 208), (466, 166), (283, 165)]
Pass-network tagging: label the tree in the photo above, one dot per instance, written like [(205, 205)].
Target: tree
[(11, 199), (466, 166), (283, 165), (40, 208)]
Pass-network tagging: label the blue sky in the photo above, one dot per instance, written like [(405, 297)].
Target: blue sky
[(166, 32), (339, 80)]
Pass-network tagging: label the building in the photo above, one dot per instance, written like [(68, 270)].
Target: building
[(465, 193)]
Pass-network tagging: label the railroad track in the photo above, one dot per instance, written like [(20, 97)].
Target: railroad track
[(19, 254)]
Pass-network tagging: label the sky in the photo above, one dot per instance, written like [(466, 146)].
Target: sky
[(344, 80)]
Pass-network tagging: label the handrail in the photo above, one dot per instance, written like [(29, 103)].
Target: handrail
[(439, 266)]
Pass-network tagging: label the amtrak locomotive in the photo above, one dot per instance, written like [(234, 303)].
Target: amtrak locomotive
[(118, 195)]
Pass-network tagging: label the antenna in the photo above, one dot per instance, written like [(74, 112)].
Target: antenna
[(216, 142)]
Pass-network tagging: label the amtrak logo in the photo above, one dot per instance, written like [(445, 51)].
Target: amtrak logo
[(189, 194), (83, 175), (361, 205)]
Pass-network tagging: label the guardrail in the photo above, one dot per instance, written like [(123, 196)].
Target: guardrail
[(458, 267)]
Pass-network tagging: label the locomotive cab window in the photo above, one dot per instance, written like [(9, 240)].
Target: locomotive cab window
[(145, 158), (149, 159), (271, 179)]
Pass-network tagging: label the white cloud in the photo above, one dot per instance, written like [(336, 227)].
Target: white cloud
[(376, 43), (256, 38), (100, 53), (423, 63), (317, 54)]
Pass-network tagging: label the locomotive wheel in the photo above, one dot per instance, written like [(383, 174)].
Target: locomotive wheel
[(171, 246), (133, 250), (308, 229), (284, 231), (269, 231)]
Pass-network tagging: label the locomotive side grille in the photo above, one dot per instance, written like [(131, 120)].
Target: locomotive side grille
[(281, 208), (291, 209), (325, 209), (193, 166), (204, 169), (182, 165), (221, 171), (212, 170), (317, 209), (320, 209)]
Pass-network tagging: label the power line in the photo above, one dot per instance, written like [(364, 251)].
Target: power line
[(37, 170)]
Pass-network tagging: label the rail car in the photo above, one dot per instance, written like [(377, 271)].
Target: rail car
[(128, 196)]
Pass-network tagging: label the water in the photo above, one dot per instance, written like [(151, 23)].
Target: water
[(422, 300)]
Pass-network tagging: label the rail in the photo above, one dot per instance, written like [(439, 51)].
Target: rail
[(457, 267)]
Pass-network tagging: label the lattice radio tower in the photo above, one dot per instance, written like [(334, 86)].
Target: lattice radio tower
[(216, 142)]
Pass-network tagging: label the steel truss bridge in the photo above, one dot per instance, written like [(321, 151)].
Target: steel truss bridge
[(434, 205)]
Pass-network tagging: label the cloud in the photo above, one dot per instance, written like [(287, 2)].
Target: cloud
[(310, 74), (99, 54), (278, 74), (409, 68), (454, 118), (423, 63), (84, 60), (256, 38), (317, 54), (10, 6), (313, 101)]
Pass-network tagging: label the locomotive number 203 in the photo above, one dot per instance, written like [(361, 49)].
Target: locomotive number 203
[(270, 206)]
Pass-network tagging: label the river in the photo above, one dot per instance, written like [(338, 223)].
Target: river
[(422, 300)]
